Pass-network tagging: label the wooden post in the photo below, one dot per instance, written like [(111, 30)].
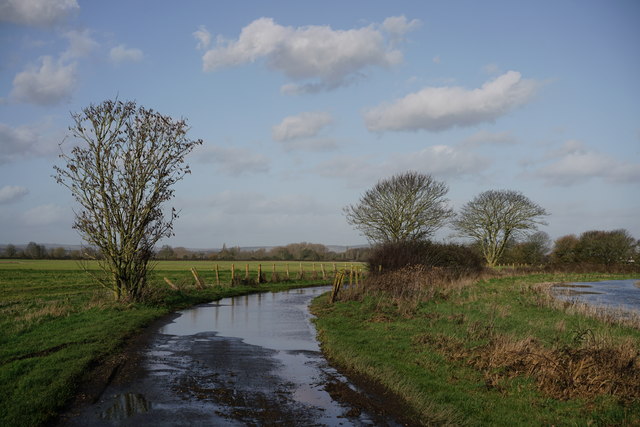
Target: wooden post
[(246, 272), (351, 275), (324, 274), (337, 283), (300, 273), (335, 269), (217, 276), (357, 273), (259, 273), (288, 278), (233, 273), (199, 281), (314, 274), (171, 285), (274, 276)]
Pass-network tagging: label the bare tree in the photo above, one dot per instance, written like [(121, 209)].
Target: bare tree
[(121, 173), (406, 207), (494, 217)]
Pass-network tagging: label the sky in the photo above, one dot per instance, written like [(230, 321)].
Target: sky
[(303, 106)]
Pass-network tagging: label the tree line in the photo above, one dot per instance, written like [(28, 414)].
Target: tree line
[(36, 251), (292, 252), (500, 225)]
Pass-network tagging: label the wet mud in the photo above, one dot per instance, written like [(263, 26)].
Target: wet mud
[(243, 362)]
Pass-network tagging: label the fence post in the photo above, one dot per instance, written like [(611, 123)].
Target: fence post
[(233, 273), (259, 273), (246, 272), (288, 271), (324, 274), (217, 276), (199, 282)]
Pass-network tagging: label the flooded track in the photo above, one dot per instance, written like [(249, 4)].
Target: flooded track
[(250, 360)]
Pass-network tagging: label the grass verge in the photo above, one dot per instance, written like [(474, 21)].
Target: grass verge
[(55, 324), (498, 351)]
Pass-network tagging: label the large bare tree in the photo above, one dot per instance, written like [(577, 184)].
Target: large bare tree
[(405, 207), (121, 171), (494, 217)]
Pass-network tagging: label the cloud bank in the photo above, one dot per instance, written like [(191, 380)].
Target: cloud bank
[(49, 83), (303, 125), (574, 163), (121, 54), (441, 108), (330, 58), (37, 13), (12, 193)]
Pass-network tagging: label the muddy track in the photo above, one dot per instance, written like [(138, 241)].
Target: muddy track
[(205, 378)]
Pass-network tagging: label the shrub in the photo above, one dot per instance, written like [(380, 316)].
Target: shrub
[(454, 258)]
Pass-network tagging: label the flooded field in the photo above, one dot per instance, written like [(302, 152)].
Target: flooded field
[(612, 294)]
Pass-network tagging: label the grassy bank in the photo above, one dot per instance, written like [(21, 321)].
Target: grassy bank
[(496, 352), (55, 324)]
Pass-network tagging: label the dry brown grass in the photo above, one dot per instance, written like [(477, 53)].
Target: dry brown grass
[(595, 366), (406, 288), (590, 366), (545, 297)]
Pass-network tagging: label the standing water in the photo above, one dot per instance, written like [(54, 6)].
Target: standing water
[(249, 360), (611, 294)]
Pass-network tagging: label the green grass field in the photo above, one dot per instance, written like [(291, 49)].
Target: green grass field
[(459, 358), (55, 323)]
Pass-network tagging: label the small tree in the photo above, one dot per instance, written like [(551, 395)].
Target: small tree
[(496, 216), (406, 207), (121, 174), (605, 247), (564, 249)]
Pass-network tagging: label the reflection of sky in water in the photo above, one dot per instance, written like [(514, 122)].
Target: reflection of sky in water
[(623, 294), (278, 321)]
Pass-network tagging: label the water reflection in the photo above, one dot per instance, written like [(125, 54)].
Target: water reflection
[(126, 405), (279, 321), (617, 294)]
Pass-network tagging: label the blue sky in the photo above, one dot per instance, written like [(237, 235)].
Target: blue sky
[(303, 106)]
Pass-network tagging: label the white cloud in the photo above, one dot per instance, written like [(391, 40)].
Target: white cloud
[(574, 163), (40, 139), (121, 54), (40, 13), (47, 84), (28, 140), (398, 26), (303, 125), (45, 215), (204, 38), (331, 58), (234, 161), (80, 44), (484, 137), (440, 108), (436, 59), (12, 193)]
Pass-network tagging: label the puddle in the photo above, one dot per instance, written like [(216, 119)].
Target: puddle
[(612, 294), (250, 360), (126, 405)]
